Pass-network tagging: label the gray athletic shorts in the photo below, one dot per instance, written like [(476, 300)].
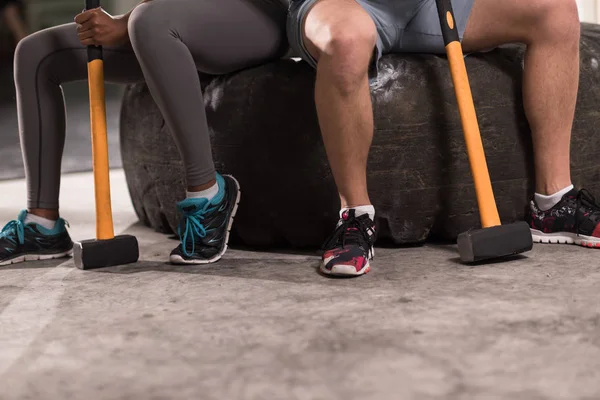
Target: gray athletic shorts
[(403, 26)]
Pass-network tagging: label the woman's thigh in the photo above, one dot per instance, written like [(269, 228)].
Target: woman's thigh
[(221, 35)]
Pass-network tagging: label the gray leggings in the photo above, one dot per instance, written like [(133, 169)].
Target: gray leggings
[(171, 40)]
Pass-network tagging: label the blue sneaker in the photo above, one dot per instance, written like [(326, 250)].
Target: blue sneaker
[(205, 226), (27, 242)]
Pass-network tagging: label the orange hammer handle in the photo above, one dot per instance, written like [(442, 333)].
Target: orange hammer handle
[(104, 221), (483, 186)]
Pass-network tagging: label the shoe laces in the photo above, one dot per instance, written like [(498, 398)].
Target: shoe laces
[(14, 231), (194, 228), (585, 201), (352, 231)]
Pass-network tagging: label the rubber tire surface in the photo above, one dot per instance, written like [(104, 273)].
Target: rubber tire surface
[(265, 133)]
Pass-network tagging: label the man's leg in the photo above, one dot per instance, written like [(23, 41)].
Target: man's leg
[(341, 36), (550, 29)]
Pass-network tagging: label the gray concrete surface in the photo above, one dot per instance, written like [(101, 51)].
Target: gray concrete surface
[(268, 326)]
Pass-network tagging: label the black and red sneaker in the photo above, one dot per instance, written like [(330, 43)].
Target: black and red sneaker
[(574, 220), (349, 250)]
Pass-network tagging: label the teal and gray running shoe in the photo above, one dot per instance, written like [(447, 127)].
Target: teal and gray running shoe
[(26, 242), (204, 228)]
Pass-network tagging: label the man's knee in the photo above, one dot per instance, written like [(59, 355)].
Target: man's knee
[(555, 20), (346, 48), (344, 41)]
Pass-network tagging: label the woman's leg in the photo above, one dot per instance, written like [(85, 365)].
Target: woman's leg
[(173, 40), (43, 62)]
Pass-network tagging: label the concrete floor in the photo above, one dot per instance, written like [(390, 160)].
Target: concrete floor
[(268, 326)]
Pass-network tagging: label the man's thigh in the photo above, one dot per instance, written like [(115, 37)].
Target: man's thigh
[(493, 23)]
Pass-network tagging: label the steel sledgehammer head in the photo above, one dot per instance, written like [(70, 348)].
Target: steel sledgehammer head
[(90, 254), (494, 242)]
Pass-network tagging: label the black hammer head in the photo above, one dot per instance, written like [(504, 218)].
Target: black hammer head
[(495, 242), (121, 250)]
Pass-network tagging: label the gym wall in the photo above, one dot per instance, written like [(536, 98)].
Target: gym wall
[(589, 10)]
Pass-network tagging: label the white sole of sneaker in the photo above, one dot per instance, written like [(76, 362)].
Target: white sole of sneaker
[(176, 259), (565, 238), (36, 257), (348, 270)]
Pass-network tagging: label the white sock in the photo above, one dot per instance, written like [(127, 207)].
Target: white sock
[(205, 194), (547, 202), (361, 210), (45, 222)]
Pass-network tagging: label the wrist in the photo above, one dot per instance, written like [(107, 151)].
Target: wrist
[(122, 21)]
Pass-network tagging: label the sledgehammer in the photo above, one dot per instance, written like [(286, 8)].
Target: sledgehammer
[(493, 240), (106, 250)]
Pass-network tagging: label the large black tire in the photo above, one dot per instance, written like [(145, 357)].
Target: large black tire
[(265, 133)]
